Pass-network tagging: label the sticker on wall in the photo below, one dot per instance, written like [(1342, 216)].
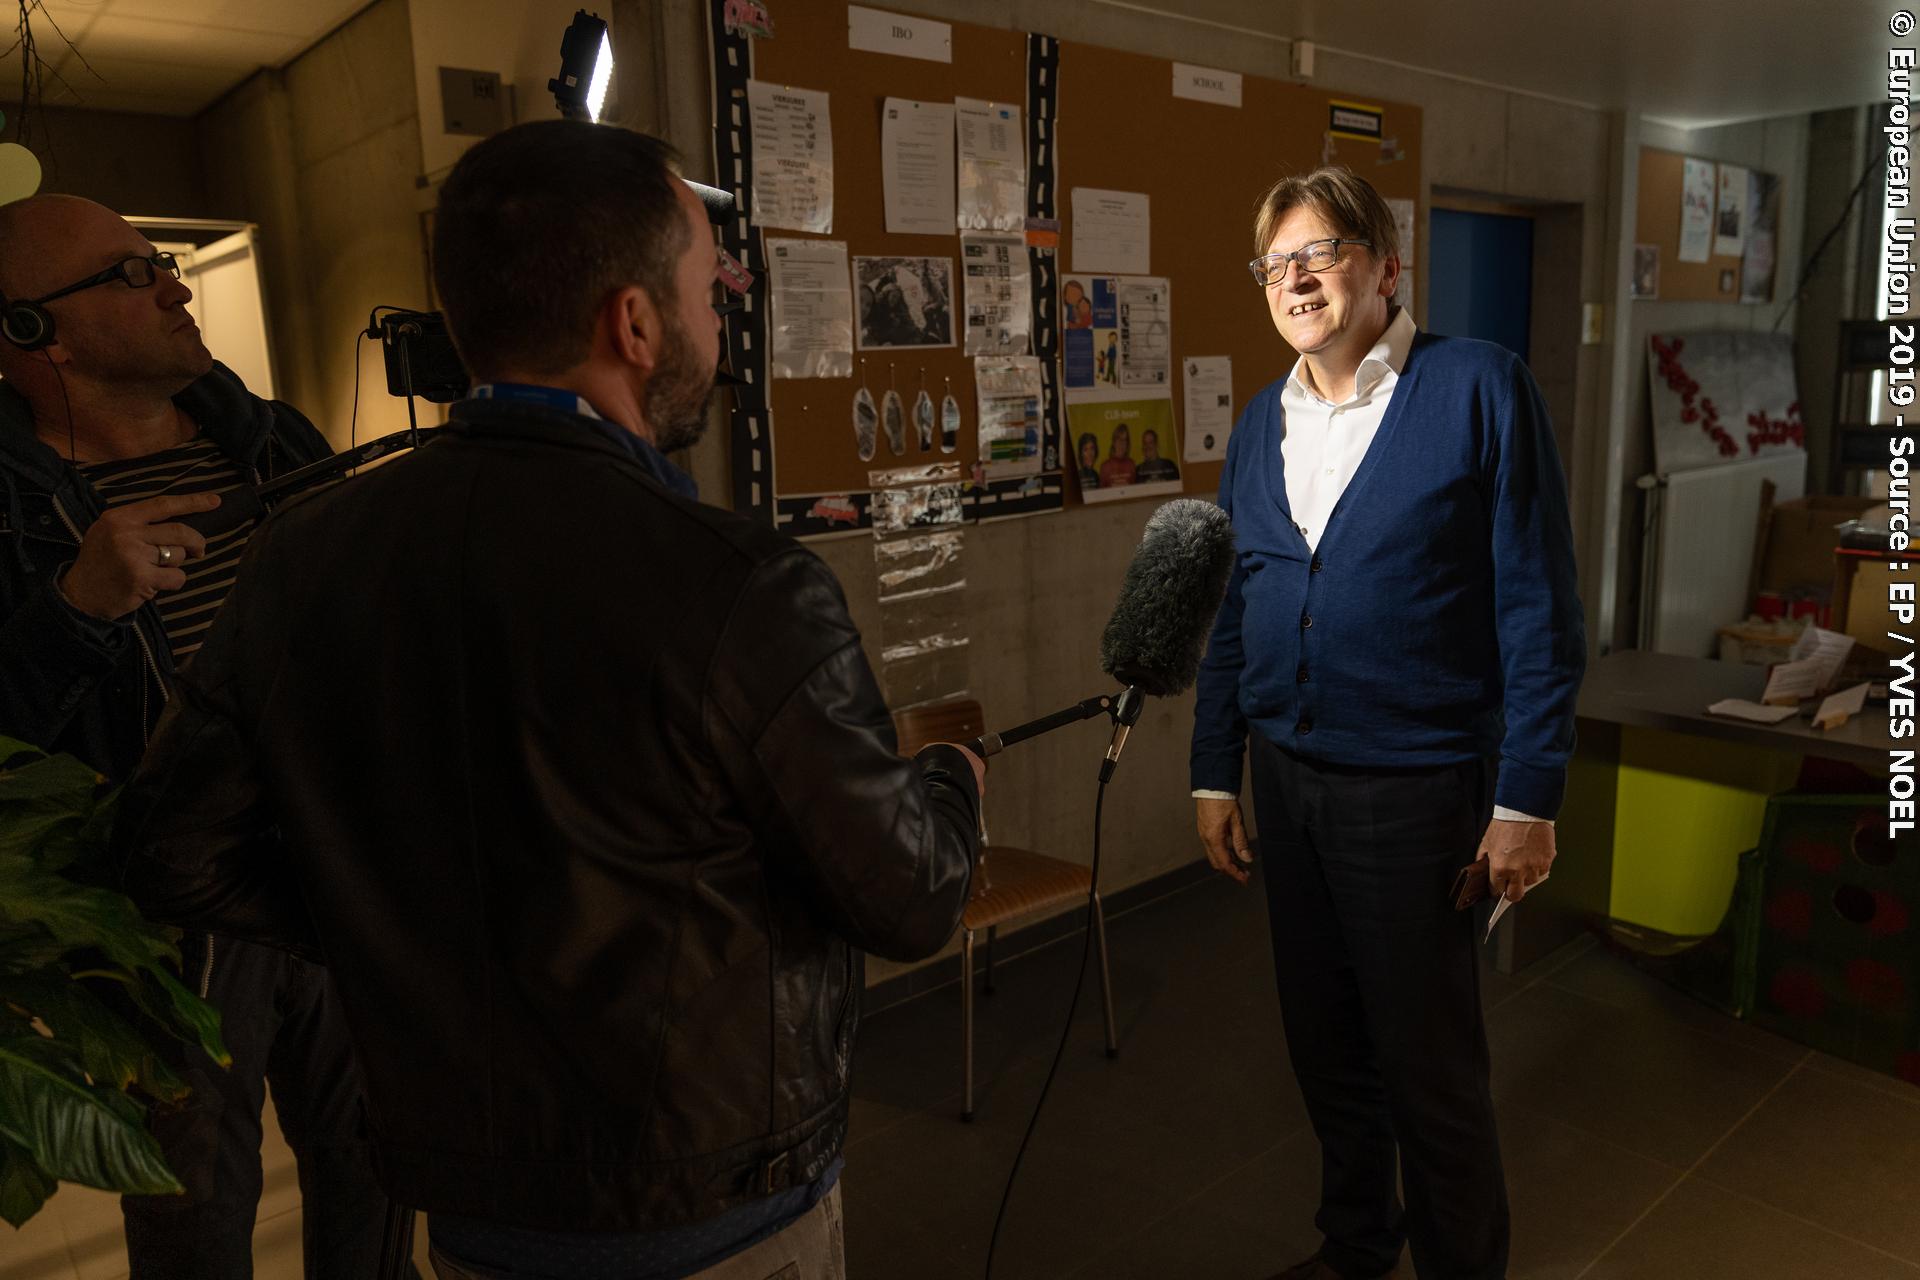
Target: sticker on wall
[(949, 421), (749, 19), (866, 423), (893, 416), (1359, 120)]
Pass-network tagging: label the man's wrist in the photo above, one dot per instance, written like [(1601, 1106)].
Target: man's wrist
[(1503, 814)]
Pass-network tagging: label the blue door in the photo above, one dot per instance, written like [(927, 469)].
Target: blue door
[(1480, 277)]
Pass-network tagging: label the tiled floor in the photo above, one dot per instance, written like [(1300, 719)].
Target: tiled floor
[(1645, 1135)]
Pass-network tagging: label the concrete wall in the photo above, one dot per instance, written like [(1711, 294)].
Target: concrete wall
[(323, 154), (132, 163)]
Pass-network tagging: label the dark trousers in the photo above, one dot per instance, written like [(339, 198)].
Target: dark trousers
[(1380, 993), (281, 1020)]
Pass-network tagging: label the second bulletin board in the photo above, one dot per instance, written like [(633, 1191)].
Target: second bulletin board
[(1117, 126)]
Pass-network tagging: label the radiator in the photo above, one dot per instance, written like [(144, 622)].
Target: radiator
[(1698, 550)]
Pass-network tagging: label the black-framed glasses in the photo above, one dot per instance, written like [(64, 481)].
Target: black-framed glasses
[(1270, 269), (135, 273)]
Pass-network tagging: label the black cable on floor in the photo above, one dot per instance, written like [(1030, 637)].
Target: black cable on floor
[(1086, 943)]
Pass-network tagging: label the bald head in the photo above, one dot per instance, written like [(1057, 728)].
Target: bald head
[(112, 333), (50, 240)]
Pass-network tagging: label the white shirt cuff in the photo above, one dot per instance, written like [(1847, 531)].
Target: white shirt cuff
[(1215, 795), (1503, 814)]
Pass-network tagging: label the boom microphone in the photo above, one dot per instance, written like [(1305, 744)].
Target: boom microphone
[(1158, 630)]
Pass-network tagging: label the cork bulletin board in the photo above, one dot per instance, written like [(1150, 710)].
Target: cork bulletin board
[(1657, 222), (1106, 120)]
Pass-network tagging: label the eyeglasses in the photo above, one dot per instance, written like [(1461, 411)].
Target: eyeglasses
[(135, 273), (1318, 256)]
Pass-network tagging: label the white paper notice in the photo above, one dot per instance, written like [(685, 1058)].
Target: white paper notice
[(1204, 84), (999, 293), (1009, 393), (1789, 682), (1835, 711), (916, 166), (1730, 217), (1146, 335), (993, 166), (792, 157), (1110, 231), (1828, 650), (812, 308), (878, 31), (1403, 224), (1696, 211), (1208, 391), (1741, 709)]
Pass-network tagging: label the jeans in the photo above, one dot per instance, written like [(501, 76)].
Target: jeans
[(281, 1021)]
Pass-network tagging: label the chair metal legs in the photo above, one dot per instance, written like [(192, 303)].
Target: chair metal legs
[(966, 998), (966, 1023), (1106, 977)]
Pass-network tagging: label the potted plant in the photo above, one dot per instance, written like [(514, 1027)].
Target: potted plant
[(85, 983)]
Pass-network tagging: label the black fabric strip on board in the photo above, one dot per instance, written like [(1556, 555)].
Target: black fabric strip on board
[(750, 445)]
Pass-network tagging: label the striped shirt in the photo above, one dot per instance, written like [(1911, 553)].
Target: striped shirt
[(195, 467)]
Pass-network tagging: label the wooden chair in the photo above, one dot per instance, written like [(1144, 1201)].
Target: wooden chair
[(1008, 883)]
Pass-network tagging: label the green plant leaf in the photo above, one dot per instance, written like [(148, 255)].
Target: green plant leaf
[(15, 754), (189, 1011), (75, 1131), (111, 1051), (61, 778), (79, 915), (26, 947), (24, 1185)]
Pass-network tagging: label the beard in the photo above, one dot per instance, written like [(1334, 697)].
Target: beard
[(676, 398), (166, 363)]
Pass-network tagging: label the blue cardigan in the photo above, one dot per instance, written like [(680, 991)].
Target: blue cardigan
[(1437, 622)]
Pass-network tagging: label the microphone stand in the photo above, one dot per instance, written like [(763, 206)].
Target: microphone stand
[(1124, 707)]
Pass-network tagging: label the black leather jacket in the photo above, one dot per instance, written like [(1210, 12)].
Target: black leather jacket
[(586, 795), (63, 687)]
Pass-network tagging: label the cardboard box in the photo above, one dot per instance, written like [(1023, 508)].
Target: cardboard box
[(1798, 556)]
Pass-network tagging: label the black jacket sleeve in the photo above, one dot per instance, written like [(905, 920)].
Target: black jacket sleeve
[(800, 729), (50, 660), (195, 836)]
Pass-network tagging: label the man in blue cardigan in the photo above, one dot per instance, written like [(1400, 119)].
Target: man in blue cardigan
[(1399, 653)]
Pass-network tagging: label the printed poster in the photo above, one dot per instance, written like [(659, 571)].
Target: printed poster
[(999, 294), (792, 157), (1207, 392), (812, 320), (1696, 210), (916, 166), (1008, 388), (993, 166), (1758, 263), (1729, 226), (1120, 447), (1111, 230), (1117, 333)]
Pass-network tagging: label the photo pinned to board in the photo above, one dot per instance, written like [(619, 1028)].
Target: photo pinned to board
[(904, 302)]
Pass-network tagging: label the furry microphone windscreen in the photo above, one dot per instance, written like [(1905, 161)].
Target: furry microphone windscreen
[(1159, 628)]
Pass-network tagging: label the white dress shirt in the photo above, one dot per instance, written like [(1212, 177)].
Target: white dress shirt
[(1325, 443)]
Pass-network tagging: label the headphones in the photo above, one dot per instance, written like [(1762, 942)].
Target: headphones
[(27, 325)]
